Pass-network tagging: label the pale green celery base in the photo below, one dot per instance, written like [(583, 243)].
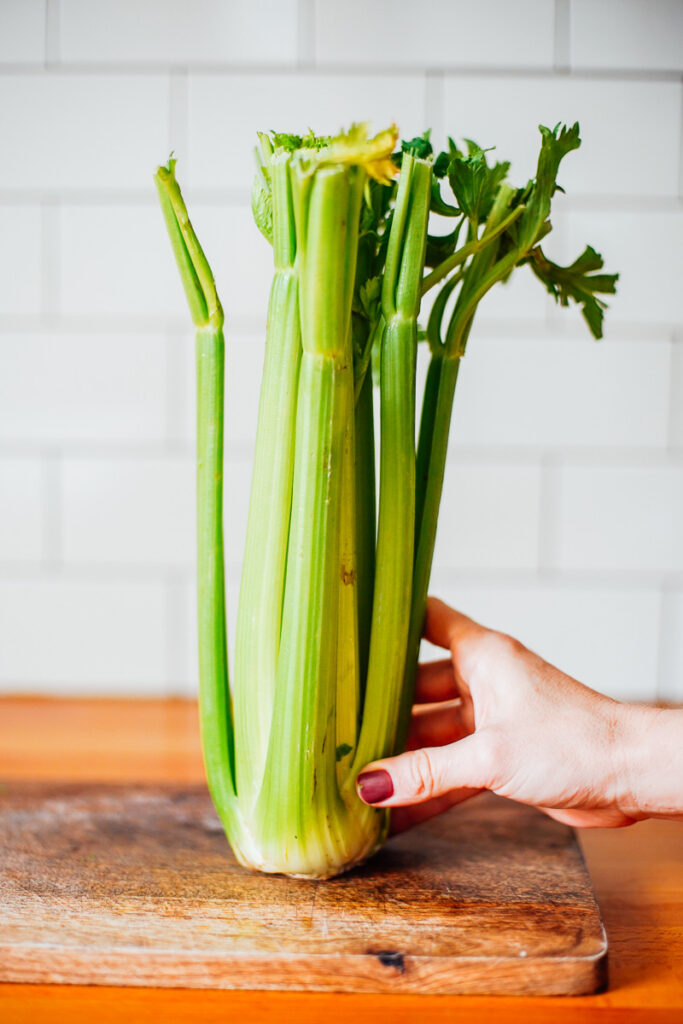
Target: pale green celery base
[(364, 829)]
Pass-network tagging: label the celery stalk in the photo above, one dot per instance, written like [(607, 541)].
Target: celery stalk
[(396, 523), (214, 696), (334, 585), (300, 817), (259, 617)]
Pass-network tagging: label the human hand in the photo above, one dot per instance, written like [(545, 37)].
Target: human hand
[(521, 728)]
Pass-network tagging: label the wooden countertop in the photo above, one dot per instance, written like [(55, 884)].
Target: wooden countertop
[(637, 874)]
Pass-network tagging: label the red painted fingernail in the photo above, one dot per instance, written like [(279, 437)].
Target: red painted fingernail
[(375, 786)]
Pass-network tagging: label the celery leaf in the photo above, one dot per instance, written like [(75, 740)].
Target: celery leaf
[(474, 183), (578, 282)]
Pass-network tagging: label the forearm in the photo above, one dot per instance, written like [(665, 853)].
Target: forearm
[(650, 761)]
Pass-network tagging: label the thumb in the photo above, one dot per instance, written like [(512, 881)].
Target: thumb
[(420, 775)]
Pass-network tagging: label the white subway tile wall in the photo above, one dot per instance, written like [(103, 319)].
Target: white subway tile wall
[(563, 506), (22, 31), (82, 132), (626, 34)]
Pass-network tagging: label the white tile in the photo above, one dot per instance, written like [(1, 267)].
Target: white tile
[(83, 131), (20, 510), (505, 111), (671, 670), (644, 247), (129, 510), (633, 34), (82, 638), (561, 391), (179, 31), (22, 31), (20, 259), (118, 260), (244, 367), (290, 103), (520, 298), (489, 517), (141, 510), (605, 637), (620, 517), (59, 388), (241, 259), (437, 33)]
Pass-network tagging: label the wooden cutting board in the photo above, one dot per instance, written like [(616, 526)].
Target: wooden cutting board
[(137, 886)]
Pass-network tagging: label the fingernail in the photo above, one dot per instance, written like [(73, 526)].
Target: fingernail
[(375, 786)]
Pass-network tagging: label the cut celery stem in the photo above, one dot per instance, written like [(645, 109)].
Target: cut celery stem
[(302, 742), (216, 721), (301, 821), (259, 616), (366, 516), (491, 232), (442, 376), (347, 702), (214, 695), (437, 407), (396, 520)]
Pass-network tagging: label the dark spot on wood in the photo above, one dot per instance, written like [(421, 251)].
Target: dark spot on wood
[(390, 958)]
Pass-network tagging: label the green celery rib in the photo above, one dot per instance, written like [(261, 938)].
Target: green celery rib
[(396, 521), (259, 616), (432, 448), (437, 408), (214, 695), (348, 661), (491, 232), (366, 516), (300, 818), (304, 730)]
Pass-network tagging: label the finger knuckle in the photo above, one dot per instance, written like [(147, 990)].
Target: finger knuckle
[(502, 647), (422, 774)]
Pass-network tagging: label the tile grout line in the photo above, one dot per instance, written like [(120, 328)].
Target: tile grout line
[(115, 573), (122, 68), (239, 196), (488, 455), (680, 150), (250, 325)]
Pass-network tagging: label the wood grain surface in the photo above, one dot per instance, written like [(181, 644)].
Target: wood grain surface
[(637, 874), (121, 884)]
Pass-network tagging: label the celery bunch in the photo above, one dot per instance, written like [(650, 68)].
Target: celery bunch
[(334, 582)]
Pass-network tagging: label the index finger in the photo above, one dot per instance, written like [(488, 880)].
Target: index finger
[(446, 627)]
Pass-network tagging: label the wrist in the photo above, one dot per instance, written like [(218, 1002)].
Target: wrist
[(647, 745)]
